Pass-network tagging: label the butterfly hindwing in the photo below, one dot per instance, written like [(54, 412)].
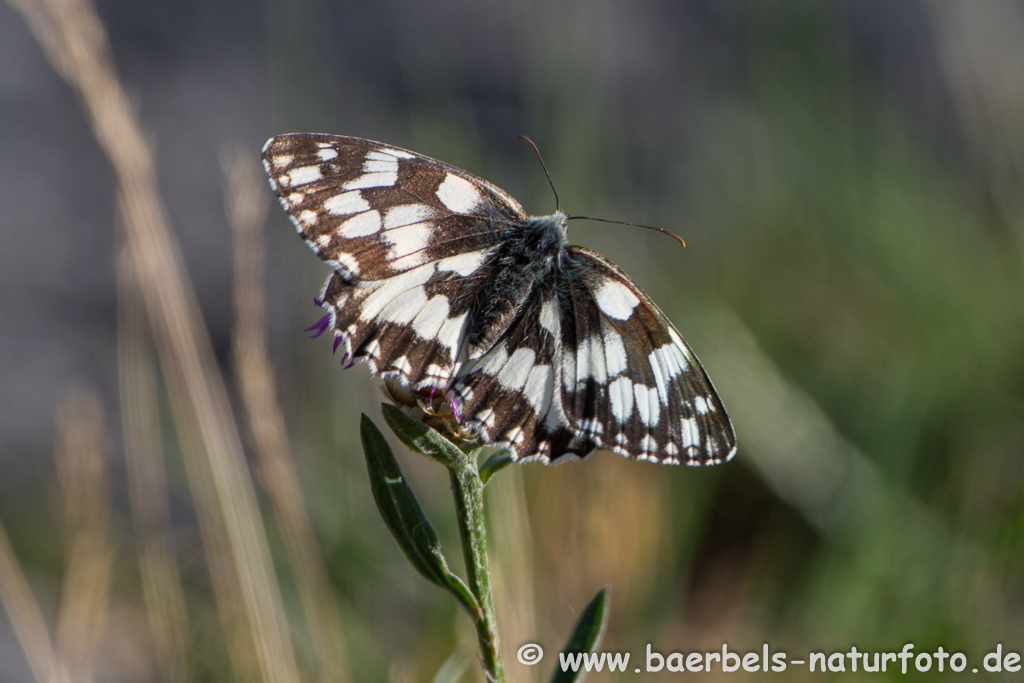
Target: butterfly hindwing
[(510, 394), (632, 385)]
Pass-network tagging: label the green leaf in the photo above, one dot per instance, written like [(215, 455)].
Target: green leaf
[(586, 636), (495, 464), (404, 517), (421, 438)]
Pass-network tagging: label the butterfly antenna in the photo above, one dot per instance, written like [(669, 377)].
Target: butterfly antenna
[(635, 225), (542, 165)]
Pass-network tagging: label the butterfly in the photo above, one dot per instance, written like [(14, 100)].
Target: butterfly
[(443, 284)]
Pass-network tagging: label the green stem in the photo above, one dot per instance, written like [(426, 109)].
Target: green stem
[(469, 507)]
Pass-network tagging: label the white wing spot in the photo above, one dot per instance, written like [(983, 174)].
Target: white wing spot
[(360, 225), (346, 203), (417, 258), (307, 217), (407, 239), (389, 166), (383, 179), (303, 176), (691, 434), (701, 405), (614, 353), (516, 371), (539, 387), (590, 360), (620, 393), (432, 373), (615, 299), (346, 263), (550, 317), (429, 321), (405, 307), (406, 214), (495, 360), (327, 153), (402, 365), (458, 194), (648, 406), (386, 290), (451, 332), (463, 264)]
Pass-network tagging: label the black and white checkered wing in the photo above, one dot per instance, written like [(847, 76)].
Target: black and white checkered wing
[(590, 362), (410, 239), (372, 211), (629, 383)]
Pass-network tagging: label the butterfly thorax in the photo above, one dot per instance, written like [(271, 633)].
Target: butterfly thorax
[(529, 252)]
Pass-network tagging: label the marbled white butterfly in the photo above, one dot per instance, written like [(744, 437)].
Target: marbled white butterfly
[(444, 284)]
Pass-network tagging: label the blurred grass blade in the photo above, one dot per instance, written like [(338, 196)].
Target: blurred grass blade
[(247, 200), (495, 464), (404, 516), (421, 438), (162, 590), (27, 619), (586, 636), (75, 42), (83, 471), (453, 669)]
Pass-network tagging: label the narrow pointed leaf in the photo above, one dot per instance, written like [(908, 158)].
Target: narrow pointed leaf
[(586, 636), (421, 438), (404, 517), (495, 464)]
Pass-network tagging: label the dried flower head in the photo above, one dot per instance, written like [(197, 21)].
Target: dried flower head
[(432, 407)]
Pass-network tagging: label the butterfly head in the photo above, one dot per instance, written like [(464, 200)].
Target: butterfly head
[(547, 233)]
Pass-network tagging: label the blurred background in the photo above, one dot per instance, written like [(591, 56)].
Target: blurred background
[(182, 491)]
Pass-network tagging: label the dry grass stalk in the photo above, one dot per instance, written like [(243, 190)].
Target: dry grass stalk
[(147, 483), (85, 486), (76, 44), (246, 204)]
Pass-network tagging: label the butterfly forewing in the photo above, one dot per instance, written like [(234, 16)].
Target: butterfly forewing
[(443, 283), (373, 211)]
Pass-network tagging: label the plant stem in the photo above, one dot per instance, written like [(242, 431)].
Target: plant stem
[(469, 507)]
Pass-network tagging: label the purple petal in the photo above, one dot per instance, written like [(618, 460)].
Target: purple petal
[(318, 302), (320, 326), (337, 343), (455, 409), (350, 363)]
